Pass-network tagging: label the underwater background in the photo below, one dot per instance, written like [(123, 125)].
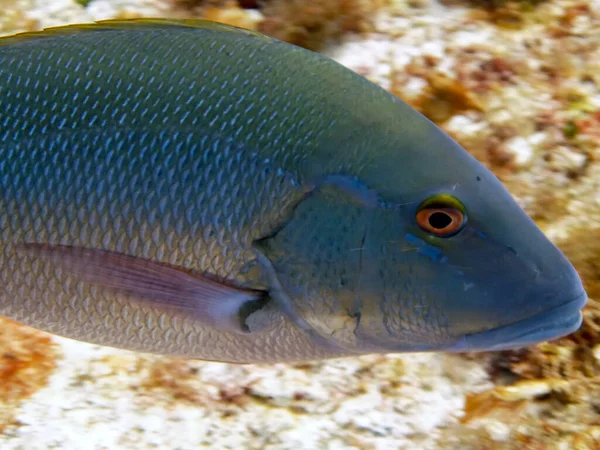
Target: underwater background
[(517, 84)]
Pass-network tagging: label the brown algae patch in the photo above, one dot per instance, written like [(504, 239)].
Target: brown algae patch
[(172, 381), (234, 15), (311, 23), (27, 359), (443, 98), (307, 23), (175, 382), (507, 14)]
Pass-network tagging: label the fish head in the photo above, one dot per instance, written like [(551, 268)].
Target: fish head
[(463, 274), (453, 263), (419, 248)]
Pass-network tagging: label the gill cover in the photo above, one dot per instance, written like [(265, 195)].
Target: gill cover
[(315, 263)]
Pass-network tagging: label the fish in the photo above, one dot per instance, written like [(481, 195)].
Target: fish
[(195, 190)]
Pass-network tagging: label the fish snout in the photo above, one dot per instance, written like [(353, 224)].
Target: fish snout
[(543, 302)]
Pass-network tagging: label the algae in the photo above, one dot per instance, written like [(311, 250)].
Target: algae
[(312, 23), (27, 359)]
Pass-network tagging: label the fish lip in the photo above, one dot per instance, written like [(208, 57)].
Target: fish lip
[(545, 326)]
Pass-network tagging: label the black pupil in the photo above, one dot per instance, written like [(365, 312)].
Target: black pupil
[(439, 220)]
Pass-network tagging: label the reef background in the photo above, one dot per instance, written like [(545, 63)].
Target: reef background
[(517, 83)]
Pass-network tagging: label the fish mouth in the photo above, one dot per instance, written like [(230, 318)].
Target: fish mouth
[(548, 325)]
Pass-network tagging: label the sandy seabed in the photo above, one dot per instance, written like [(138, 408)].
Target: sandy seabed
[(518, 85)]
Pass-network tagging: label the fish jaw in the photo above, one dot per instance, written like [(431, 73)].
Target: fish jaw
[(549, 325)]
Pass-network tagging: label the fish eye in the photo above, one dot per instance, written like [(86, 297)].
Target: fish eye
[(441, 215)]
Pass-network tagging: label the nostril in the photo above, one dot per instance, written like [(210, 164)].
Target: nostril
[(512, 250)]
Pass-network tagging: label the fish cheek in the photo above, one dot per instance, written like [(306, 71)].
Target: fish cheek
[(313, 265)]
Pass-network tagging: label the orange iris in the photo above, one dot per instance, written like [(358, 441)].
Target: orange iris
[(439, 220)]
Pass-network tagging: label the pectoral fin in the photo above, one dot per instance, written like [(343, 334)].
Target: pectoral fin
[(166, 288)]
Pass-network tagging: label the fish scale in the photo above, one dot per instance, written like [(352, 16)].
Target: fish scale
[(71, 213), (105, 101)]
